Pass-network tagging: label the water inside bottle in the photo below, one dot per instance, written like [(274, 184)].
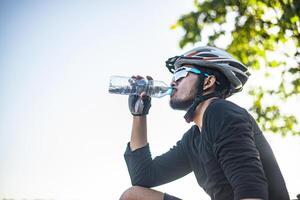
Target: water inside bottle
[(129, 86)]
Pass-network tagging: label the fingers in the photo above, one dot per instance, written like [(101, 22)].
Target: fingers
[(138, 77), (143, 94), (149, 78)]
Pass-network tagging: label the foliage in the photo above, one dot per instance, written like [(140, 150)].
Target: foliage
[(264, 35)]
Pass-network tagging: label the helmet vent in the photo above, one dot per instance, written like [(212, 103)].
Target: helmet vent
[(206, 55)]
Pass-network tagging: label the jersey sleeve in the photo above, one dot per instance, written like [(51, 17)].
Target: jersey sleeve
[(147, 172), (234, 147)]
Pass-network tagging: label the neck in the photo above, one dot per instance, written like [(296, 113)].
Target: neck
[(200, 111)]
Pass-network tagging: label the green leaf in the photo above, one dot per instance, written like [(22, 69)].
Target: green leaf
[(252, 36), (295, 19)]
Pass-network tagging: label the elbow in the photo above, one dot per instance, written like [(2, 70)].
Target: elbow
[(251, 192), (142, 182)]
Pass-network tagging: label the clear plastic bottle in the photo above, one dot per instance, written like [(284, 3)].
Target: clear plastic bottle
[(127, 86)]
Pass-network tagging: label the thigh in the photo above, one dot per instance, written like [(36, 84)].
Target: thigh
[(141, 193), (170, 197)]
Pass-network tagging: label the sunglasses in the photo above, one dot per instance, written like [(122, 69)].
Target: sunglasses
[(182, 72)]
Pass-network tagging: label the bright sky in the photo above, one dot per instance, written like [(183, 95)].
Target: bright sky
[(62, 136)]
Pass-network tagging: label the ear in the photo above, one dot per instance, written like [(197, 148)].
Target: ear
[(209, 82)]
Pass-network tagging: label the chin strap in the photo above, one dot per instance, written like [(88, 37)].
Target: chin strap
[(189, 116)]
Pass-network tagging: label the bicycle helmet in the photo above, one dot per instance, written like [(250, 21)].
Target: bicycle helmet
[(216, 59)]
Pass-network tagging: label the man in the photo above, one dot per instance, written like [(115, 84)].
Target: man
[(225, 148)]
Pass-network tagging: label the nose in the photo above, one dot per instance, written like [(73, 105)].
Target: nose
[(176, 83), (173, 83)]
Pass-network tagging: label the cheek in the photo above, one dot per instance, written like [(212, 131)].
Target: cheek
[(187, 87), (185, 92), (190, 93)]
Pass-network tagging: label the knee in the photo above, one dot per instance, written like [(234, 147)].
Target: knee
[(131, 193)]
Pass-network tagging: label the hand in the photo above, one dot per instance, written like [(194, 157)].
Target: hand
[(139, 105)]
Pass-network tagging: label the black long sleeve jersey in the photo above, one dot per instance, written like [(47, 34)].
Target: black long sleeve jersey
[(230, 158)]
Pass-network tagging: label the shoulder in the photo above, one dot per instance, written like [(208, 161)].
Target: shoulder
[(222, 115), (223, 108), (223, 104)]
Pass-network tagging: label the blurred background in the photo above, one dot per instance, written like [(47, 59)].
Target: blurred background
[(62, 135)]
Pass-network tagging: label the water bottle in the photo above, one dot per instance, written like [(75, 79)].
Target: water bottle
[(127, 86)]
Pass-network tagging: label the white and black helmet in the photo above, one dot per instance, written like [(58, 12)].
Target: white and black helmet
[(216, 59), (213, 58)]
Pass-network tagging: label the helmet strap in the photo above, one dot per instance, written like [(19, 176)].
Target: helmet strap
[(189, 116)]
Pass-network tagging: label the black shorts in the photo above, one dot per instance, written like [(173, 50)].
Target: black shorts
[(169, 197)]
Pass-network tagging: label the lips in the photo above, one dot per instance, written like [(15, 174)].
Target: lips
[(174, 90)]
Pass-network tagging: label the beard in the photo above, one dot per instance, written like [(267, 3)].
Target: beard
[(184, 103), (181, 104)]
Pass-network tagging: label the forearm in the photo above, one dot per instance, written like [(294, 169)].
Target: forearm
[(147, 172), (139, 132)]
